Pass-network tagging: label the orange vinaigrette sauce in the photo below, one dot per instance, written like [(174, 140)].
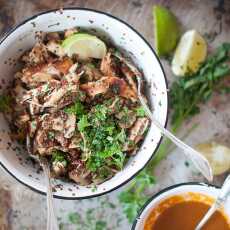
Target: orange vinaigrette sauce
[(173, 201)]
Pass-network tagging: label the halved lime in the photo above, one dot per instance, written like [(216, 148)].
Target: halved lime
[(85, 46), (218, 156), (190, 53), (166, 29)]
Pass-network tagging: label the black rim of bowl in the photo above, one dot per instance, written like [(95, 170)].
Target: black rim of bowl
[(164, 191), (166, 83)]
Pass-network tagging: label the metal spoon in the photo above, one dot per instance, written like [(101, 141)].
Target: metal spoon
[(51, 217), (220, 200), (198, 160)]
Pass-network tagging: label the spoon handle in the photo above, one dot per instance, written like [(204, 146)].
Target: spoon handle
[(51, 217), (225, 190), (198, 160)]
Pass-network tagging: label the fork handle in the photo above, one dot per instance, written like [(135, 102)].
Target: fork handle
[(51, 217), (198, 160)]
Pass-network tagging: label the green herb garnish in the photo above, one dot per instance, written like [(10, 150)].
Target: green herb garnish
[(83, 123), (140, 111), (77, 108), (58, 156)]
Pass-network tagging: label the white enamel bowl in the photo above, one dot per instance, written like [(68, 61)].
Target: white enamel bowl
[(22, 38), (176, 190)]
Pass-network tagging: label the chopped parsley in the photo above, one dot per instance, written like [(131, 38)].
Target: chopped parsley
[(140, 111), (77, 108), (58, 156), (83, 123), (104, 140)]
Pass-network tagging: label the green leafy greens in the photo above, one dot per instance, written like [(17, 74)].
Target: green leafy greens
[(186, 95), (103, 139)]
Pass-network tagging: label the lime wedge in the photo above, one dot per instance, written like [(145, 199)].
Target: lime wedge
[(85, 46), (190, 53), (166, 29), (218, 156)]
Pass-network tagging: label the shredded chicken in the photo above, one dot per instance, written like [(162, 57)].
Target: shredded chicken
[(77, 113), (108, 66), (37, 55), (112, 84), (138, 129)]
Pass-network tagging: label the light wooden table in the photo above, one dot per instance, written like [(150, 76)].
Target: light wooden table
[(209, 17)]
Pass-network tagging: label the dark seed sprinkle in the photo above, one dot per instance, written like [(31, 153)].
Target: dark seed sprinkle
[(186, 163)]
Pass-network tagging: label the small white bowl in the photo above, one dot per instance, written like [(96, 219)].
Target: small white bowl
[(122, 35), (178, 189)]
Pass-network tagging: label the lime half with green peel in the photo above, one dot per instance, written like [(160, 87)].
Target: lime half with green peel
[(85, 46), (166, 29)]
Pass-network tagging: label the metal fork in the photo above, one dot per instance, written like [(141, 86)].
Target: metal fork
[(51, 217), (198, 160)]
